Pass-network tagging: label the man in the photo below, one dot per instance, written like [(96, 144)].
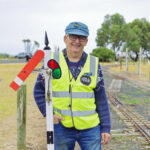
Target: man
[(81, 110)]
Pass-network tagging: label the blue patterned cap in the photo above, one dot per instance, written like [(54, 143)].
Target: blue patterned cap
[(77, 28)]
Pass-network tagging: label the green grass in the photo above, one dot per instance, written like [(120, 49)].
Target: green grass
[(138, 92), (136, 101), (121, 138), (8, 97), (124, 96), (125, 142), (131, 101), (146, 100)]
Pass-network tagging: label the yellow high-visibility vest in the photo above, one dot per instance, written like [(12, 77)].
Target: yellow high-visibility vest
[(74, 100)]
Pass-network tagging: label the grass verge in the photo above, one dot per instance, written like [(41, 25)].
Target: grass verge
[(8, 97)]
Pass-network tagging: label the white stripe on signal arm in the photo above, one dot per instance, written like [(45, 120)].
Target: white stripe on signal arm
[(18, 81)]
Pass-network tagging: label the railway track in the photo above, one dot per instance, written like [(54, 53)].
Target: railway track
[(139, 123)]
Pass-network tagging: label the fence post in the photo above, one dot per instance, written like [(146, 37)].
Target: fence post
[(140, 61), (126, 59), (21, 118), (149, 69)]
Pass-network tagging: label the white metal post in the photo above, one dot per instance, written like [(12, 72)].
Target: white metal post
[(49, 103)]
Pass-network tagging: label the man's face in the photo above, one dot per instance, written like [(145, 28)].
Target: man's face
[(75, 43)]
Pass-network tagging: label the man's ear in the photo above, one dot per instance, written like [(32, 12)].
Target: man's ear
[(65, 38), (86, 42)]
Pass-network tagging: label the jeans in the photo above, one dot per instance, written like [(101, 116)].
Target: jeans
[(65, 138)]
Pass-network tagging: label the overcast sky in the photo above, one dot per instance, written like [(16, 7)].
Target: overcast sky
[(28, 19)]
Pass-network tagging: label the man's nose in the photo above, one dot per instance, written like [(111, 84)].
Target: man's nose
[(77, 39)]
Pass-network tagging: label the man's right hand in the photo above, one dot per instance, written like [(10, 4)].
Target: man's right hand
[(57, 119)]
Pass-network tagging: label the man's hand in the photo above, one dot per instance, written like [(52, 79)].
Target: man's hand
[(57, 119), (105, 137)]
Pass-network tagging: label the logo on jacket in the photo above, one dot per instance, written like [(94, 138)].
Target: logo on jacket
[(88, 74), (86, 80)]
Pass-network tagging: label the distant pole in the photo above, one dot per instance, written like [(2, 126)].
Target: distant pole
[(149, 69), (126, 59), (120, 60), (140, 62), (21, 118), (138, 71)]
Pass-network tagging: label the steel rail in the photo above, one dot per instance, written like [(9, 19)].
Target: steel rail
[(128, 110), (123, 108)]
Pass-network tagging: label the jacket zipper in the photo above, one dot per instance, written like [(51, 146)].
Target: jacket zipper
[(70, 93)]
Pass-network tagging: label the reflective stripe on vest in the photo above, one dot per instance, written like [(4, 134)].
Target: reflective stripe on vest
[(56, 56), (92, 65), (75, 113), (74, 94)]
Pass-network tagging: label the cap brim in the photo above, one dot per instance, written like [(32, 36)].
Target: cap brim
[(77, 33)]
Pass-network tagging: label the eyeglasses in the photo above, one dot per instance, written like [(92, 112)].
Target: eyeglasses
[(74, 37)]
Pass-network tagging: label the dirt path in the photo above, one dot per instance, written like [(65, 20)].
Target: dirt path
[(36, 138), (36, 129)]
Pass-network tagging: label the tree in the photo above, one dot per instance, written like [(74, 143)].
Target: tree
[(110, 34), (4, 55), (132, 42), (137, 35), (103, 54), (35, 46), (118, 35), (29, 47)]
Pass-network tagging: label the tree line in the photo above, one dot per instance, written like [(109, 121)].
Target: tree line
[(117, 35)]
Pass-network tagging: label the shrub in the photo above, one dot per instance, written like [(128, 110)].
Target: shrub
[(4, 55), (104, 54)]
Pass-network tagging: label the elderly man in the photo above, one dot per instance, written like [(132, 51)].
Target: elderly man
[(80, 105)]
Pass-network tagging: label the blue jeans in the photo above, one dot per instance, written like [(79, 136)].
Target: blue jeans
[(65, 138)]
